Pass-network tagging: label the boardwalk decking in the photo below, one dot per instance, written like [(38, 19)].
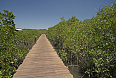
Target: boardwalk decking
[(42, 62)]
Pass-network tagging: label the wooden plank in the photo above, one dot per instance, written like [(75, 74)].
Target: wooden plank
[(42, 61)]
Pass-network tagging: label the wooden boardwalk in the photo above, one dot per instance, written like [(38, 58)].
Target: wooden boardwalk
[(42, 61)]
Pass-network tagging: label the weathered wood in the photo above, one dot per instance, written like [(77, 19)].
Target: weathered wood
[(42, 61)]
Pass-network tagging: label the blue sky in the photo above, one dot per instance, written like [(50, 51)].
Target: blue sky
[(42, 14)]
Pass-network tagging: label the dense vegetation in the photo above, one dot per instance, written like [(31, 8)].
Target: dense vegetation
[(90, 44), (13, 45)]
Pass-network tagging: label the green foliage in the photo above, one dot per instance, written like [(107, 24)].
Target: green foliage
[(92, 40), (13, 45)]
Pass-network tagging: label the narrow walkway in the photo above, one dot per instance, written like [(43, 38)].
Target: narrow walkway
[(42, 61)]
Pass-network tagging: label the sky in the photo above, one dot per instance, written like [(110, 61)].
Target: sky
[(42, 14)]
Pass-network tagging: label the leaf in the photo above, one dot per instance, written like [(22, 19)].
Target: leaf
[(0, 72), (12, 62)]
